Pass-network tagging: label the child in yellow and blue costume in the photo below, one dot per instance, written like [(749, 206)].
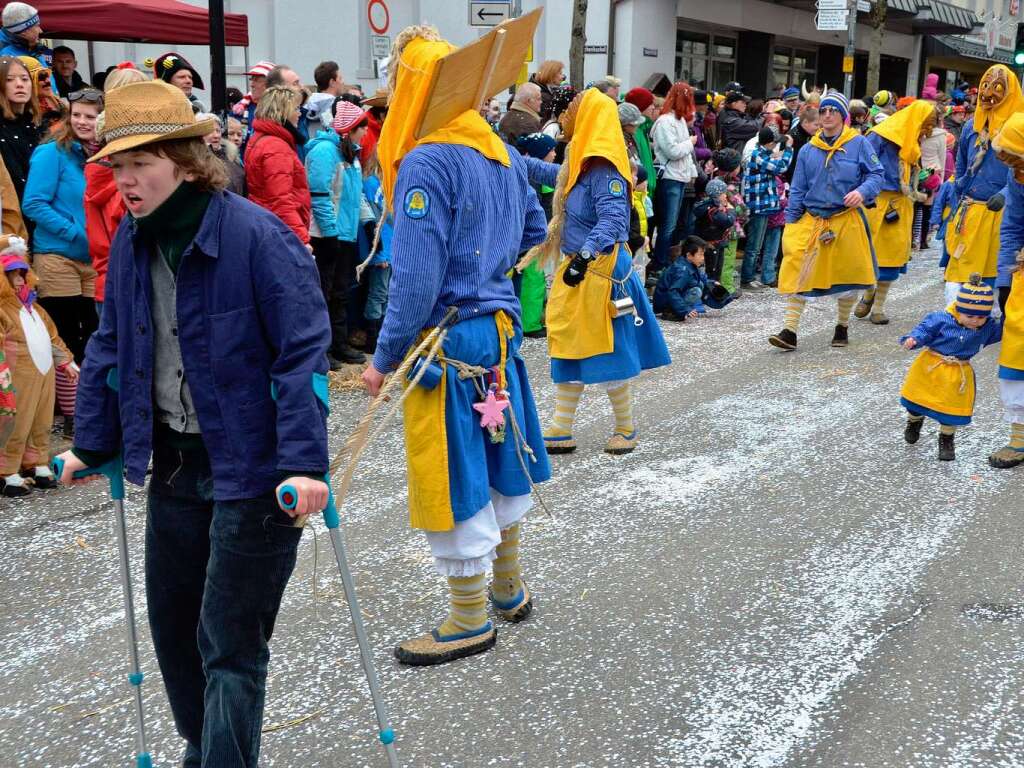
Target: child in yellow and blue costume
[(897, 143), (601, 327), (940, 383), (1009, 148), (463, 211), (971, 242), (826, 245)]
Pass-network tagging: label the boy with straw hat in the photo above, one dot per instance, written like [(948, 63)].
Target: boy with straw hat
[(214, 326)]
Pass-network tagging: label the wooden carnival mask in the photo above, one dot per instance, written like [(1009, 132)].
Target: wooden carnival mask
[(1014, 162), (993, 88)]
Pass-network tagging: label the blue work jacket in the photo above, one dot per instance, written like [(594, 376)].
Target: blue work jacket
[(820, 187), (250, 315)]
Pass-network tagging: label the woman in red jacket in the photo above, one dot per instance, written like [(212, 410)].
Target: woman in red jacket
[(273, 173)]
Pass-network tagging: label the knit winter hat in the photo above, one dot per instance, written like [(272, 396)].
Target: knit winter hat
[(975, 297), (791, 93), (836, 100), (726, 160), (18, 17), (716, 187), (260, 69), (536, 145), (641, 98), (768, 135), (13, 251), (701, 98), (629, 114), (167, 66), (348, 117)]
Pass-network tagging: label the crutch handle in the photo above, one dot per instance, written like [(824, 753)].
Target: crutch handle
[(288, 498), (113, 470)]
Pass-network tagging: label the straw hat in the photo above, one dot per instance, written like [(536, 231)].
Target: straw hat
[(145, 113), (379, 99)]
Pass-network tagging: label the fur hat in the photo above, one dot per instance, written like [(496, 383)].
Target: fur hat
[(641, 98), (139, 114), (167, 66), (19, 17), (975, 298)]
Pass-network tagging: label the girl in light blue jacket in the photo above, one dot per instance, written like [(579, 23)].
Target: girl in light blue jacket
[(54, 201)]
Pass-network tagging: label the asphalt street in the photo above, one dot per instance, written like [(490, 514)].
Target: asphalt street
[(773, 579)]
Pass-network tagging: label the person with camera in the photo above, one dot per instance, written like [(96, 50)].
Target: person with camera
[(770, 159), (897, 143), (826, 244)]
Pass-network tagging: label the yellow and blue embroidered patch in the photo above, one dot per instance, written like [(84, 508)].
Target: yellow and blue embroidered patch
[(417, 203), (616, 188)]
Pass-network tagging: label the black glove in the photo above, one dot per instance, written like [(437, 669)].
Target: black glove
[(577, 269), (996, 202), (1004, 296)]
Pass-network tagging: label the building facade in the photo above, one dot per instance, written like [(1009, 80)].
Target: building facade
[(764, 44)]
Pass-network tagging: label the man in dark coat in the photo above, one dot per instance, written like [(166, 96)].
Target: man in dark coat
[(735, 126), (523, 116)]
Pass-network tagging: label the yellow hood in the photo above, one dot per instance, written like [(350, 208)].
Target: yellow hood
[(405, 113), (597, 132), (904, 129)]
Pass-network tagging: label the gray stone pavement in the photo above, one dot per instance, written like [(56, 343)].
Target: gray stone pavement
[(773, 579)]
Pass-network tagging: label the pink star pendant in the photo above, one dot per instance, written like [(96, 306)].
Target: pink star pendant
[(491, 417)]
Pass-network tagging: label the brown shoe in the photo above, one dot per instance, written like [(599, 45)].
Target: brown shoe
[(619, 444), (863, 308), (1006, 458), (879, 318), (433, 648)]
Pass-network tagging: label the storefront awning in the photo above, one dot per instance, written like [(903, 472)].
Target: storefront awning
[(935, 17), (950, 45)]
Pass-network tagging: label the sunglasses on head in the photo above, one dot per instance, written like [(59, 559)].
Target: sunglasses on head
[(89, 95)]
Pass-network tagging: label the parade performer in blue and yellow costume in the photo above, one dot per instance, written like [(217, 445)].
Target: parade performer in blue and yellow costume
[(972, 237), (601, 328), (940, 383), (826, 245), (463, 211), (897, 143), (1009, 148)]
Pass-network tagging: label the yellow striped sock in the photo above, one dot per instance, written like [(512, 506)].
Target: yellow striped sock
[(795, 306), (869, 294), (567, 397), (844, 306), (507, 571), (947, 429), (468, 610), (881, 291), (622, 404), (1017, 436)]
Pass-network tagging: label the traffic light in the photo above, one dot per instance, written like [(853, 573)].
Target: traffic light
[(1018, 47)]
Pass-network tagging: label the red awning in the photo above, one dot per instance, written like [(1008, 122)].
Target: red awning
[(138, 21)]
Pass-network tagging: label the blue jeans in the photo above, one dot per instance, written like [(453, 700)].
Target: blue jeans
[(668, 204), (377, 282), (762, 241), (215, 574)]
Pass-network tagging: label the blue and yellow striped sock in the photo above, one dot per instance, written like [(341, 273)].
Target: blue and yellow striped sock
[(468, 610)]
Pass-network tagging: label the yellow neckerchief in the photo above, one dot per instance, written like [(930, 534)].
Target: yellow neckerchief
[(904, 129), (837, 146), (991, 121), (597, 132), (407, 106)]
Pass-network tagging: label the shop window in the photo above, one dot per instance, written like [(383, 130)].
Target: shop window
[(790, 66), (705, 60)]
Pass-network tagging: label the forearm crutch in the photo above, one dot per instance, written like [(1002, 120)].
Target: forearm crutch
[(113, 470), (288, 498)]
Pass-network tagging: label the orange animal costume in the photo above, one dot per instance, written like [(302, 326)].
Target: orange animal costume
[(34, 351)]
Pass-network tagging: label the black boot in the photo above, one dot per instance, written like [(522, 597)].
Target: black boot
[(372, 331), (913, 431), (784, 339), (841, 337), (69, 427), (946, 450)]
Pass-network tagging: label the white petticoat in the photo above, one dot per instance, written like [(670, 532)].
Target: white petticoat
[(468, 549), (1011, 392)]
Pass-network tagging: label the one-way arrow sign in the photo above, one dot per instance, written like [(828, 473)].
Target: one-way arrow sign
[(485, 13)]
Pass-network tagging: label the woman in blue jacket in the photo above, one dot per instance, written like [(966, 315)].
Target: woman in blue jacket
[(54, 201)]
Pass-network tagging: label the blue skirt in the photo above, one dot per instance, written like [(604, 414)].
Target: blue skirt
[(891, 274), (637, 348), (475, 464)]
